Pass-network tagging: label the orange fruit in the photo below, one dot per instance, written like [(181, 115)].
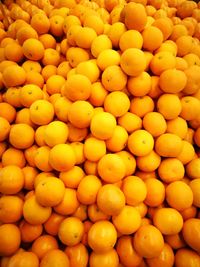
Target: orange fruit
[(69, 203), (110, 199), (140, 143), (139, 85), (102, 236), (192, 73), (30, 232), (140, 106), (55, 257), (154, 123), (25, 32), (14, 75), (137, 11), (108, 57), (94, 148), (111, 168), (179, 195), (41, 112), (55, 132), (72, 177), (84, 37), (10, 239), (13, 52), (177, 126), (130, 122), (30, 93), (165, 145), (12, 179), (56, 25), (168, 220), (152, 38), (171, 170), (149, 162), (43, 244), (191, 227), (131, 39), (194, 185), (190, 107), (71, 231), (80, 114), (126, 252), (47, 40), (115, 32), (155, 192), (90, 184), (105, 259), (133, 61), (118, 141), (54, 84), (128, 160), (34, 213), (165, 259), (123, 221), (100, 43), (51, 57), (186, 257), (175, 241), (95, 214), (51, 226), (113, 78), (78, 255), (33, 49), (5, 128), (134, 190), (148, 241), (18, 130), (11, 209), (40, 23), (24, 257), (103, 125)]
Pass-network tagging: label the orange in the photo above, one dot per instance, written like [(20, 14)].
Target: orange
[(139, 85), (131, 39), (33, 77), (95, 214), (162, 60), (137, 11), (11, 209), (14, 75), (192, 73), (148, 241), (69, 21), (129, 161), (72, 177), (69, 203), (168, 145), (56, 25), (80, 113), (19, 130), (115, 32), (76, 134), (191, 228), (40, 23), (102, 236), (103, 125), (26, 32), (175, 241), (90, 184), (134, 190), (154, 123), (47, 40), (178, 31), (140, 106), (61, 107), (111, 168), (133, 61), (5, 129), (155, 192), (108, 57), (118, 141), (78, 150), (179, 195), (149, 162), (127, 221), (100, 43), (192, 169), (12, 179), (71, 231), (76, 55), (130, 122), (169, 105), (78, 255), (110, 199), (84, 37), (30, 232), (33, 49), (54, 84), (41, 112), (55, 132), (126, 252), (63, 69), (170, 170), (165, 259), (29, 154), (24, 257), (152, 38), (3, 147), (13, 52), (168, 220), (30, 93), (184, 44), (55, 257), (72, 89), (169, 84), (113, 78), (39, 135), (194, 185), (57, 159), (30, 174), (48, 71), (189, 213), (43, 244), (190, 107), (89, 69), (140, 143), (50, 191), (105, 259), (34, 213), (51, 226), (10, 239), (51, 57), (186, 257), (177, 126), (94, 148)]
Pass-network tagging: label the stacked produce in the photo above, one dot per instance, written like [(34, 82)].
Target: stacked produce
[(99, 133)]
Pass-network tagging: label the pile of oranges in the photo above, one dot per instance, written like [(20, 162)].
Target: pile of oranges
[(99, 133)]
